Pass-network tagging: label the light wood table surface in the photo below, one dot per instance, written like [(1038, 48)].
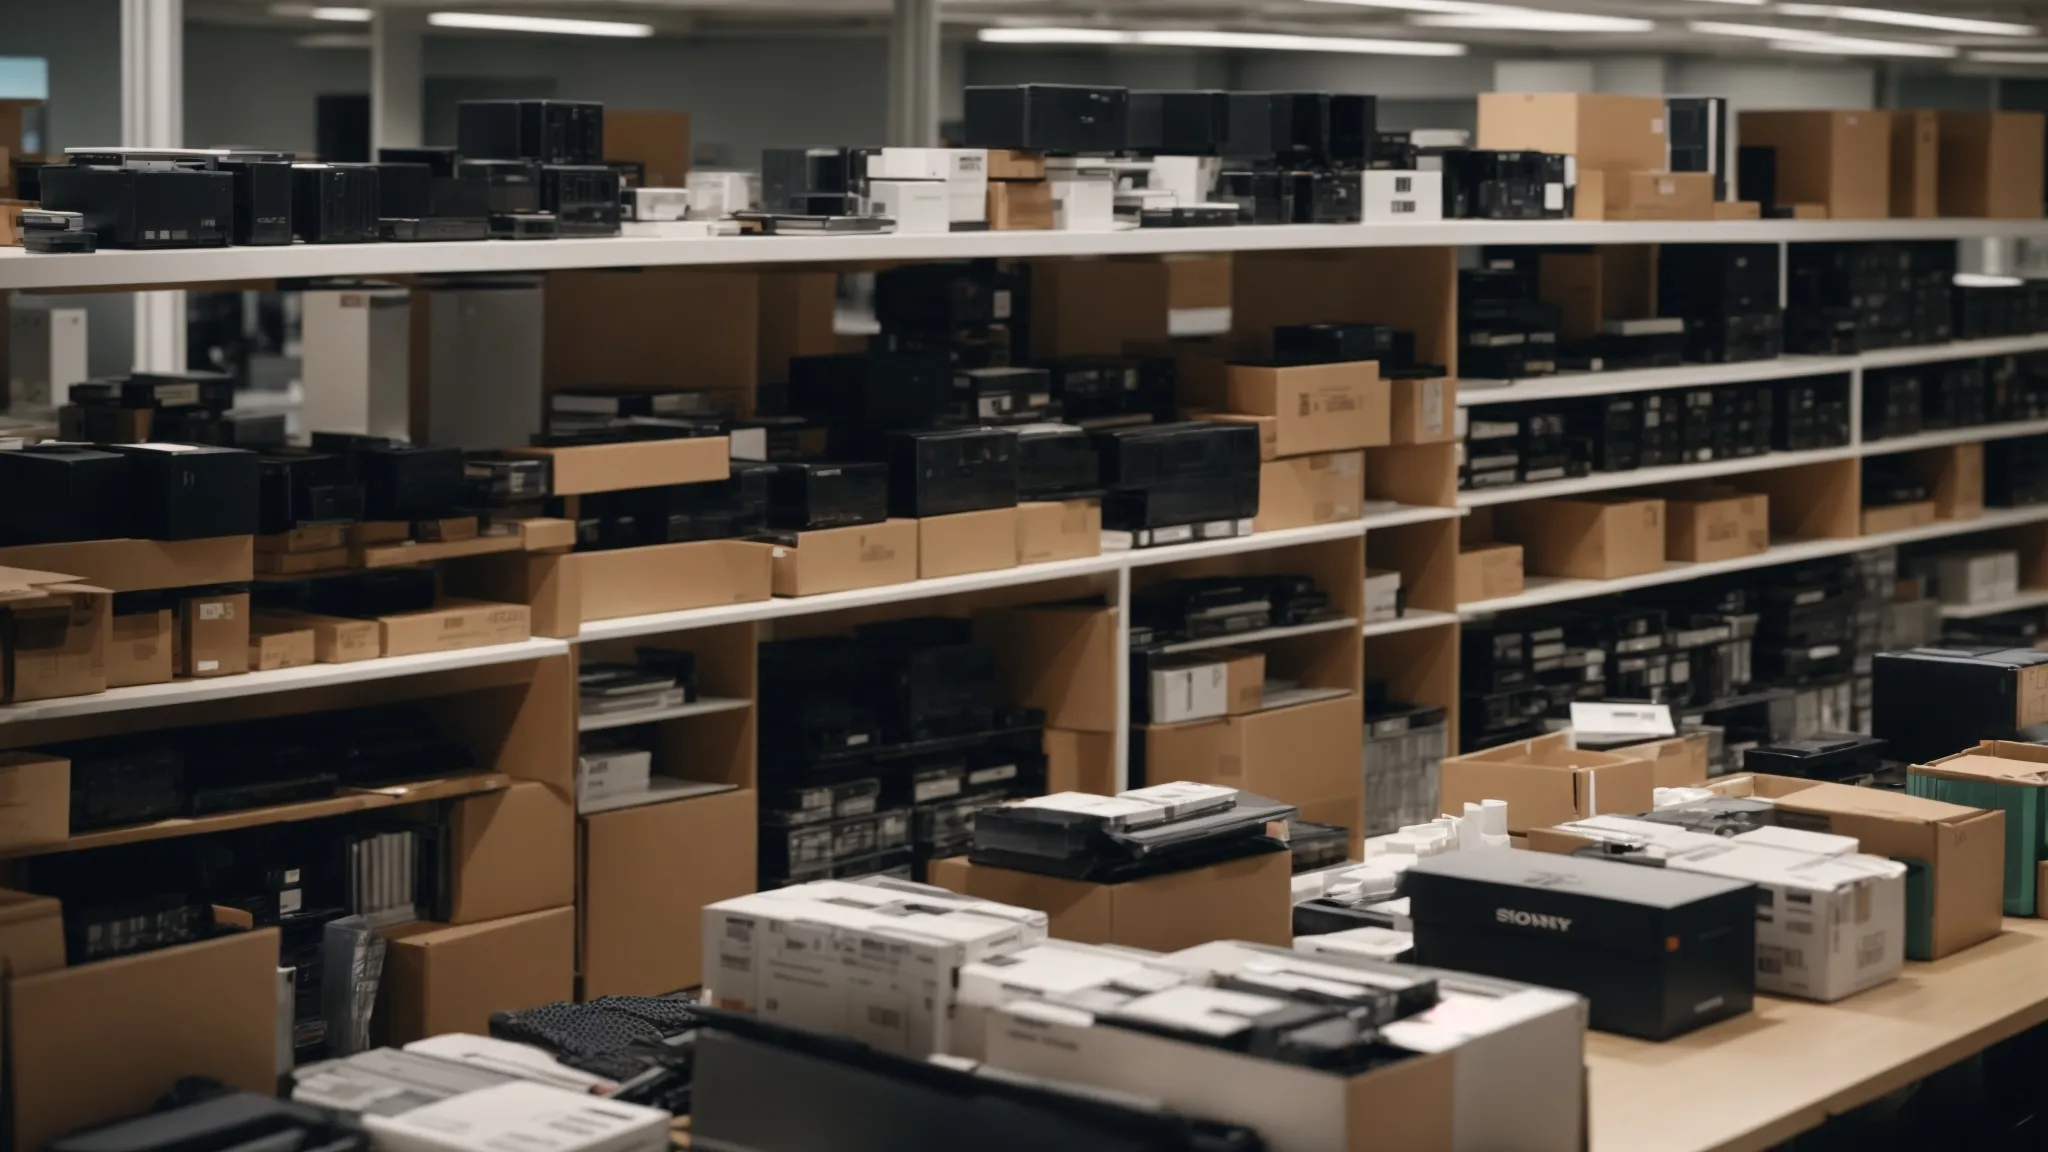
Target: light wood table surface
[(1782, 1069)]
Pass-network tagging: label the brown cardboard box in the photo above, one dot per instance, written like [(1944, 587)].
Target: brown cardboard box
[(336, 639), (1916, 152), (667, 577), (318, 538), (1839, 160), (1588, 538), (139, 649), (1080, 761), (142, 565), (1897, 517), (1738, 210), (31, 934), (1049, 530), (1807, 211), (658, 141), (1096, 307), (1197, 281), (966, 542), (1676, 762), (1956, 475), (634, 464), (1244, 684), (1302, 755), (1489, 572), (299, 563), (1991, 164), (289, 648), (1718, 524), (1546, 782), (545, 533), (1019, 205), (1015, 164), (1060, 658), (370, 533), (1317, 407), (1625, 133), (1424, 411), (1613, 282), (453, 625), (102, 425), (1614, 195), (35, 799), (1304, 490), (213, 636), (1244, 899), (514, 852), (839, 559), (53, 636), (102, 1042), (647, 874), (450, 978)]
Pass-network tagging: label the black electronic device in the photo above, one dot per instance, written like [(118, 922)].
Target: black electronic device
[(1058, 118), (584, 198), (1657, 953), (1083, 838), (1931, 702), (193, 389), (1055, 461), (942, 299), (60, 493), (410, 229), (303, 490), (1756, 176), (157, 207), (523, 226), (548, 131), (946, 471), (1262, 196), (122, 781), (926, 679), (1002, 395), (439, 159), (874, 392), (334, 203), (1332, 343), (511, 185), (1844, 758), (811, 705), (400, 481), (806, 497), (263, 200), (1696, 128), (1179, 122), (190, 491), (1113, 388), (809, 180)]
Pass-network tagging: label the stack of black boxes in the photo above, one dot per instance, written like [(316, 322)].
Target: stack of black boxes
[(1728, 296), (1847, 298), (1295, 157), (542, 160)]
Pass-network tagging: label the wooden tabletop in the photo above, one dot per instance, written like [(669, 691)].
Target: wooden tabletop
[(1759, 1079)]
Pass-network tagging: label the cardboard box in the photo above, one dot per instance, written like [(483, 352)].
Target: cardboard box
[(1169, 689), (102, 1042), (1049, 530), (1956, 475), (1081, 761), (1738, 210), (658, 141), (31, 934), (1015, 164), (142, 565), (1489, 572), (450, 978), (1991, 164), (139, 649), (35, 799), (1676, 762), (336, 639), (1316, 407), (1588, 538), (1612, 282), (1916, 154), (634, 464), (1615, 195), (966, 542), (1826, 926), (1245, 679), (1721, 525), (1304, 490), (1303, 755), (1424, 411), (53, 635), (1196, 282), (1977, 576), (1018, 205), (213, 635), (317, 538), (453, 625), (289, 648), (1898, 517), (1060, 658), (1545, 782), (1840, 161), (647, 874), (1624, 133), (666, 577), (512, 851), (1243, 899), (841, 559), (300, 563)]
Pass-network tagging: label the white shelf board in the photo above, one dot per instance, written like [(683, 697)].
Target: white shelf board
[(20, 269), (705, 706), (1388, 514), (283, 680), (1643, 477), (1262, 635), (2028, 598), (659, 790), (1415, 619), (1947, 436), (1472, 393), (1957, 350), (1256, 542), (1541, 590)]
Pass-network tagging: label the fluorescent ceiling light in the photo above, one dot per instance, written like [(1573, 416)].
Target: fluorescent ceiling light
[(350, 15), (1535, 20), (2010, 57), (334, 40), (1197, 38), (1759, 31), (1907, 19), (1852, 46), (1444, 6), (499, 22), (1985, 280)]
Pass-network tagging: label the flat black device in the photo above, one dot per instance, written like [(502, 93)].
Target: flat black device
[(809, 496), (875, 392), (1063, 118), (512, 185), (400, 481), (1055, 461), (583, 197), (1179, 123), (167, 207), (549, 131), (946, 471), (302, 490)]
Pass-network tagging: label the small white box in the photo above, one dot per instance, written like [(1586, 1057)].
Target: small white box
[(967, 184), (1798, 840), (1095, 977), (1084, 204), (1831, 926), (522, 1114), (715, 194), (47, 355), (909, 164), (1383, 944), (1382, 595), (1189, 178), (1185, 692), (1977, 577), (649, 205), (612, 772), (919, 207), (1399, 196), (1184, 798)]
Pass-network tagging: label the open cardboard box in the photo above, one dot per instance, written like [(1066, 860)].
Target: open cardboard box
[(1546, 781), (1243, 899), (842, 559), (450, 978), (647, 873), (143, 565), (565, 590), (53, 635)]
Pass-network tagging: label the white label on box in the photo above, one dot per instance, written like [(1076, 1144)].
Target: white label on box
[(209, 665), (1553, 197), (217, 610), (1433, 407), (1646, 720)]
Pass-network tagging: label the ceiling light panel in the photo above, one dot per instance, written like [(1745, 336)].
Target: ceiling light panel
[(1897, 19), (1536, 20), (1203, 38), (502, 22)]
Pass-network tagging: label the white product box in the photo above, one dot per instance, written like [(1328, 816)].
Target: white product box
[(1516, 1080), (531, 1117), (1798, 840), (1383, 944), (1190, 178), (919, 207), (1658, 839), (1833, 926), (612, 772), (1184, 798), (1382, 595), (715, 193), (1114, 811), (483, 362), (46, 355), (964, 171), (1977, 577), (657, 204), (1096, 977), (358, 360), (1084, 203), (1181, 692), (882, 973), (1396, 196)]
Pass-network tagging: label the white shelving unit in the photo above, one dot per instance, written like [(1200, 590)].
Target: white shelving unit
[(1644, 477), (705, 706), (1262, 635), (2028, 598), (1569, 385), (1413, 620)]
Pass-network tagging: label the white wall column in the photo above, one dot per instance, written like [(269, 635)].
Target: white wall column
[(396, 80), (153, 116), (914, 74)]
